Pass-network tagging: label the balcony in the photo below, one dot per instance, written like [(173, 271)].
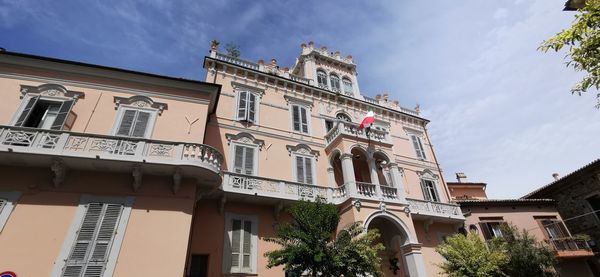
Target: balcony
[(351, 130), (272, 189), (38, 147), (435, 210), (571, 248)]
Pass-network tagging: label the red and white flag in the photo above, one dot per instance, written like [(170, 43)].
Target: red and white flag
[(368, 120)]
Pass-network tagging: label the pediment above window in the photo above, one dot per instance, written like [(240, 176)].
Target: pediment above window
[(302, 149), (241, 87), (140, 101), (427, 174), (51, 90), (245, 138), (293, 100)]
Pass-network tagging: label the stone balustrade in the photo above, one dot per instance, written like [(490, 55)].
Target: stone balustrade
[(237, 61), (351, 129), (434, 209), (92, 146)]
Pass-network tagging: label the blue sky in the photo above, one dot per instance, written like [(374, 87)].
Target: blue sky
[(500, 111)]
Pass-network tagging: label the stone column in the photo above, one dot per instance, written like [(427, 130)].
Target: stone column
[(413, 260), (374, 177), (397, 180), (331, 177), (348, 173)]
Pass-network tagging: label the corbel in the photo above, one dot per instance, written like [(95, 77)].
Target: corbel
[(277, 210), (137, 177), (60, 171), (177, 176)]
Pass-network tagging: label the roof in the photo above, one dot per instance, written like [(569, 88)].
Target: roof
[(465, 184), (562, 181), (210, 87), (503, 202)]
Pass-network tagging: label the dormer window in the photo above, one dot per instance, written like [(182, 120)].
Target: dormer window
[(347, 86), (335, 83), (322, 79)]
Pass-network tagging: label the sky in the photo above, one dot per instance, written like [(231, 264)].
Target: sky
[(500, 110)]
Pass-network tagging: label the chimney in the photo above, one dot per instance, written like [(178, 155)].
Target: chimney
[(461, 177), (556, 176)]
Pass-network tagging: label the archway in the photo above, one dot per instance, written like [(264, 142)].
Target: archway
[(383, 173), (360, 164), (336, 163), (393, 238)]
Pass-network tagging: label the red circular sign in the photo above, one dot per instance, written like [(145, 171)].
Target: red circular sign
[(8, 274)]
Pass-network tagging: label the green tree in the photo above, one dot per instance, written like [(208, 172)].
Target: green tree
[(469, 256), (232, 49), (527, 257), (307, 244), (582, 39)]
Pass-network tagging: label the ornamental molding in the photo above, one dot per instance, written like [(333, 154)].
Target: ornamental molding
[(427, 174), (243, 87), (140, 101), (51, 90), (302, 149), (245, 138), (412, 131), (293, 100)]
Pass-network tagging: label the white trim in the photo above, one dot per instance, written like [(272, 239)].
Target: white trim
[(28, 97), (419, 141), (119, 117), (71, 237), (5, 211), (308, 118), (232, 156), (226, 266)]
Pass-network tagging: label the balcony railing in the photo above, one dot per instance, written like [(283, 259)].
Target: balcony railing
[(237, 61), (351, 129), (571, 247), (280, 189), (434, 209), (79, 145)]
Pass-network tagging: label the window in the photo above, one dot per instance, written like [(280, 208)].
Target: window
[(246, 107), (343, 117), (553, 227), (328, 125), (198, 266), (7, 203), (419, 150), (347, 86), (322, 79), (244, 159), (94, 240), (491, 227), (44, 113), (304, 169), (594, 203), (300, 118), (335, 83), (239, 255), (135, 123), (429, 190)]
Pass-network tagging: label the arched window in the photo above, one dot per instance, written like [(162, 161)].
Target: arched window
[(322, 79), (347, 86), (343, 117), (335, 82)]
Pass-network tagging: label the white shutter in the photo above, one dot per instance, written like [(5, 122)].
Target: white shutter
[(249, 161), (242, 105), (304, 120), (296, 118), (94, 239), (251, 108), (247, 245), (126, 123), (300, 169), (61, 117), (141, 124), (417, 146), (421, 148), (308, 170), (27, 110), (238, 163), (2, 203), (236, 233)]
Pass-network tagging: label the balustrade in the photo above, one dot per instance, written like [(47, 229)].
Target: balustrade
[(436, 209), (351, 129)]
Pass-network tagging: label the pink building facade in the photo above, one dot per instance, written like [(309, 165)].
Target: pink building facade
[(111, 172)]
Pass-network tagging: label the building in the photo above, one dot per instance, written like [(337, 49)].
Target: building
[(578, 200), (538, 216), (109, 172)]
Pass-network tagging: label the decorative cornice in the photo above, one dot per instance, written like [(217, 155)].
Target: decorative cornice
[(294, 100), (302, 149), (246, 138), (239, 86), (427, 174), (141, 102), (51, 90)]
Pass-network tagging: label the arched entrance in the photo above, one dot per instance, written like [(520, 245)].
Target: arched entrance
[(402, 254)]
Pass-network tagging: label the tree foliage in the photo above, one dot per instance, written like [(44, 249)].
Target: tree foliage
[(232, 49), (307, 244), (515, 254), (582, 39), (527, 257), (469, 256)]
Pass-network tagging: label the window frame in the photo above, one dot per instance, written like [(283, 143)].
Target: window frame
[(71, 237), (434, 187), (326, 76), (11, 198), (339, 82), (257, 98), (419, 141), (313, 170), (227, 237), (119, 118), (256, 148), (55, 99), (308, 118), (351, 91)]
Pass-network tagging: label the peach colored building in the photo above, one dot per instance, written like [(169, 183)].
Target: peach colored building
[(539, 217), (109, 172)]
